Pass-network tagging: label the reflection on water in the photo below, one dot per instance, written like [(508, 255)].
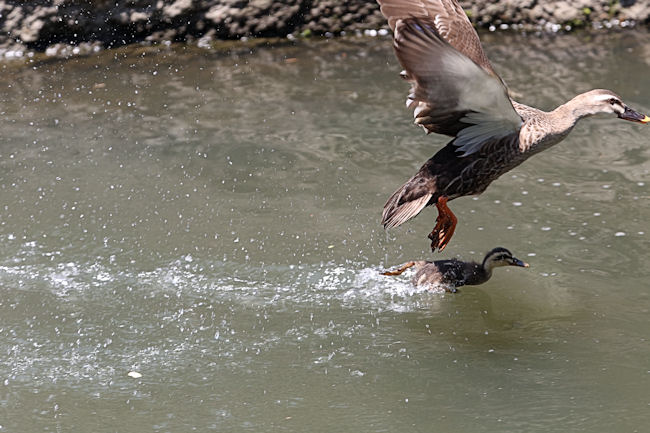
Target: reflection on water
[(211, 221)]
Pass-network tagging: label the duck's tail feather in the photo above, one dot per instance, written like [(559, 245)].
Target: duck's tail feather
[(395, 214), (408, 200)]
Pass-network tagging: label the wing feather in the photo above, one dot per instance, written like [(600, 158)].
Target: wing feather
[(450, 93), (449, 19)]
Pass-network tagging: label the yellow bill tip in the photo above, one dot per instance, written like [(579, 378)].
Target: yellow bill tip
[(646, 119)]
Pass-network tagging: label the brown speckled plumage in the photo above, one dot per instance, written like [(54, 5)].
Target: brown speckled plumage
[(455, 91)]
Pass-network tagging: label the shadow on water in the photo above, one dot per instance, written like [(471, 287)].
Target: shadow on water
[(210, 220)]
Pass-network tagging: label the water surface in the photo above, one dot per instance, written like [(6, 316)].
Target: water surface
[(210, 220)]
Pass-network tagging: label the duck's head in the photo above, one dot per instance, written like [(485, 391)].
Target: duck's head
[(501, 257), (605, 101)]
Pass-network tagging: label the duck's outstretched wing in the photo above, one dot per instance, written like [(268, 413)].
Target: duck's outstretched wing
[(450, 93), (450, 22)]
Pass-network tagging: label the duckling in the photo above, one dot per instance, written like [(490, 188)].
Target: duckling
[(455, 273)]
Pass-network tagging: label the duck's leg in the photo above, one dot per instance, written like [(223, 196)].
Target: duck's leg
[(445, 225), (400, 270)]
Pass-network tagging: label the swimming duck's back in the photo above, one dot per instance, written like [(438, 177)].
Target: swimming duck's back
[(444, 273)]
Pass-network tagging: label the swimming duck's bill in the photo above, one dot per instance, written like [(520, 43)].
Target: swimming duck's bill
[(633, 116), (517, 262)]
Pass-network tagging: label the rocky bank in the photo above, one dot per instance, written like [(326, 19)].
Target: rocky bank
[(54, 25)]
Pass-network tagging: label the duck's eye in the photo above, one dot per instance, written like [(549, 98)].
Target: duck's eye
[(613, 101)]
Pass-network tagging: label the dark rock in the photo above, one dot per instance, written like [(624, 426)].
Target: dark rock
[(35, 25)]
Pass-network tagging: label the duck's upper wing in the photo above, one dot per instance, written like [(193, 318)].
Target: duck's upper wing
[(450, 22), (450, 93)]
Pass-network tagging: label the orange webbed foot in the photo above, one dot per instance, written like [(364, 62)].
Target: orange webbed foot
[(400, 270), (445, 226)]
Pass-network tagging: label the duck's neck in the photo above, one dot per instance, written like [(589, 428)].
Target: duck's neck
[(567, 115), (476, 273)]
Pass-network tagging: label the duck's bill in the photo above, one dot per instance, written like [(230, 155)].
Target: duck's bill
[(517, 262), (633, 116)]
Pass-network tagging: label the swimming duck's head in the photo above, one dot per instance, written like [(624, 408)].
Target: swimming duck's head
[(501, 257)]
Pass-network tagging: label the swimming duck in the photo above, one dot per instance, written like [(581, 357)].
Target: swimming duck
[(456, 92), (454, 273)]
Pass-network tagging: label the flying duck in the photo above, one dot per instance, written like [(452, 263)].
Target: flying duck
[(455, 91)]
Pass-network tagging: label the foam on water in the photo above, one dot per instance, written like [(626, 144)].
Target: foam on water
[(96, 321)]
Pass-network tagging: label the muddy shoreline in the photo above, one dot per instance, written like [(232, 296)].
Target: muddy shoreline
[(73, 26)]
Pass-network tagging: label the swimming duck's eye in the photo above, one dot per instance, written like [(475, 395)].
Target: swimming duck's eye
[(613, 101)]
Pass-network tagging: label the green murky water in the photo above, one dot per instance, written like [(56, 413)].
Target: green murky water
[(211, 221)]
